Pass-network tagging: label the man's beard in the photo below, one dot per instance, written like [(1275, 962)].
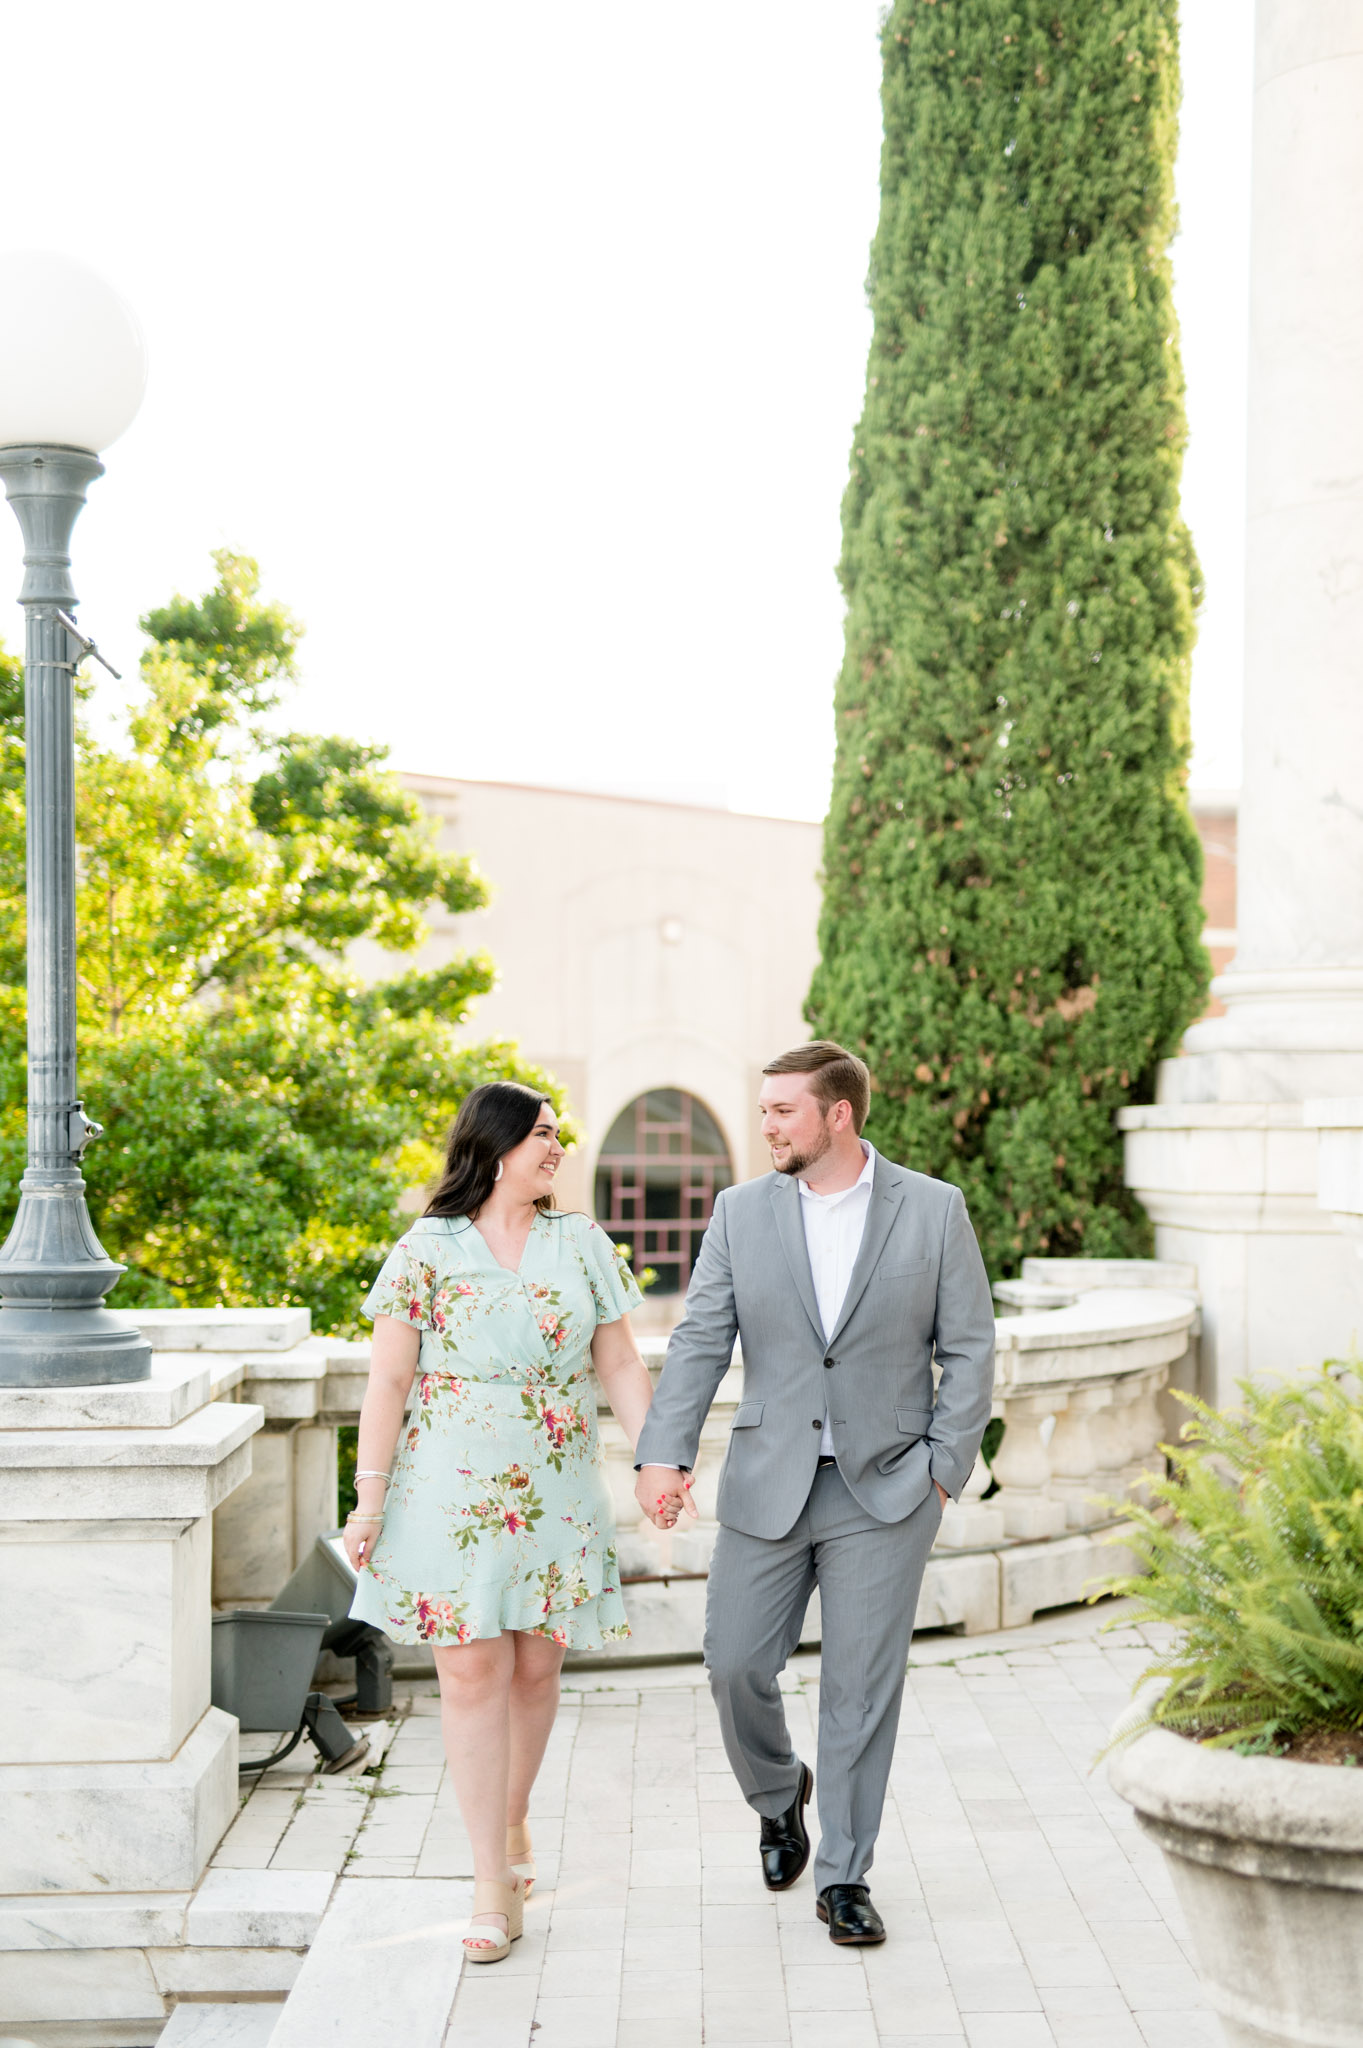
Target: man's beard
[(800, 1162)]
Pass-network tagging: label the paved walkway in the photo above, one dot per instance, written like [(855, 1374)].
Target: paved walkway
[(1023, 1906)]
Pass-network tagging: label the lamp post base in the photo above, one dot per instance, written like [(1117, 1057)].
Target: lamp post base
[(54, 1274), (69, 1347)]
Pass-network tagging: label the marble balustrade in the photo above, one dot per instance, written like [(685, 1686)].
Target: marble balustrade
[(1078, 1389)]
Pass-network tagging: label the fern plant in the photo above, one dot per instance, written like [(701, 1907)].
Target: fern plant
[(1260, 1571)]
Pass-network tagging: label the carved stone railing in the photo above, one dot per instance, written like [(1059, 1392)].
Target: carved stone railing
[(1078, 1389)]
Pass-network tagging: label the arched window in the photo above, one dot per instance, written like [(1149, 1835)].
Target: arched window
[(663, 1163)]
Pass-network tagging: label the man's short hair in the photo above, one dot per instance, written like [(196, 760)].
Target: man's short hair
[(835, 1075)]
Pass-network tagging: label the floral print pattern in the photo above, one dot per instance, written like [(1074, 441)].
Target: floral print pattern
[(498, 1515)]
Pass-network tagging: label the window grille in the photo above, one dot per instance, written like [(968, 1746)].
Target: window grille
[(662, 1164)]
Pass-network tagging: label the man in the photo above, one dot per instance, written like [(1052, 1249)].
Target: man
[(843, 1276)]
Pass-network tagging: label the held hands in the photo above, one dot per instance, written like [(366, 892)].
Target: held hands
[(664, 1494)]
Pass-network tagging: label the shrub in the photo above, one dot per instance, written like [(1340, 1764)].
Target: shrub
[(1011, 920)]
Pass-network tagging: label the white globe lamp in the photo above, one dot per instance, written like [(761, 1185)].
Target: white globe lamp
[(73, 366)]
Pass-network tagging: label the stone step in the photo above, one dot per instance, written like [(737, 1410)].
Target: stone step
[(221, 2026), (383, 1969), (258, 1908)]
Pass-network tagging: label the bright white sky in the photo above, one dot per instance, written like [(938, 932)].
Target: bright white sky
[(523, 346)]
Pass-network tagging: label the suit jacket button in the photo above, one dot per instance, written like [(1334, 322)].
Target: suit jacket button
[(817, 1425), (830, 1361)]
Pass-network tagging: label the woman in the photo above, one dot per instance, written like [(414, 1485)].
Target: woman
[(491, 1535)]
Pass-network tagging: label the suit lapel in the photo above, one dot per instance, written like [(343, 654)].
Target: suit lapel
[(785, 1202), (886, 1196)]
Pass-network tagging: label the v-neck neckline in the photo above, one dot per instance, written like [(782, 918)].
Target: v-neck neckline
[(515, 1271)]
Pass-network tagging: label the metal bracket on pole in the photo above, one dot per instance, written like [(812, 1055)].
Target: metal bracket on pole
[(83, 1130), (87, 647)]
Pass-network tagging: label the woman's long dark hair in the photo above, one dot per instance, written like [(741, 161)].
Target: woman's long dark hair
[(492, 1120)]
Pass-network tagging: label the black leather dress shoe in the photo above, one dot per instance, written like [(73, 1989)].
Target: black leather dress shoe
[(785, 1844), (853, 1921)]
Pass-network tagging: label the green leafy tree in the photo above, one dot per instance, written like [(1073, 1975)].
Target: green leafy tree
[(264, 1109), (1011, 921)]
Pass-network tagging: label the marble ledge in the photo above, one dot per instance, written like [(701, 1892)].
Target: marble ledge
[(91, 1997), (123, 1920), (1110, 1317), (1084, 1276), (198, 2025), (306, 1361), (231, 1909), (52, 1528), (194, 1973), (1210, 1116), (1060, 1372), (288, 1385), (224, 1329), (128, 1475), (258, 1908), (180, 1383), (205, 1437), (1333, 1112)]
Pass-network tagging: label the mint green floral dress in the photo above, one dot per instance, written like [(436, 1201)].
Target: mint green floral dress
[(498, 1515)]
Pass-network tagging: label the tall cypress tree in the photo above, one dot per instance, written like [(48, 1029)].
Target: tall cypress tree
[(1011, 923)]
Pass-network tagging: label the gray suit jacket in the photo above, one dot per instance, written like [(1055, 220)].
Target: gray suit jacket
[(918, 1289)]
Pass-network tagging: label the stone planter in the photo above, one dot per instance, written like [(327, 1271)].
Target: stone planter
[(1266, 1856)]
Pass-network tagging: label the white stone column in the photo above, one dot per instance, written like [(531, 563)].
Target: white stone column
[(118, 1775), (1223, 1164), (1294, 993)]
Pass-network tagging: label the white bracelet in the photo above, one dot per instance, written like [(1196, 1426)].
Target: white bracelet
[(386, 1477)]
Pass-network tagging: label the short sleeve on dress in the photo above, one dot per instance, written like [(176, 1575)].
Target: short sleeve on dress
[(405, 1287), (613, 1286)]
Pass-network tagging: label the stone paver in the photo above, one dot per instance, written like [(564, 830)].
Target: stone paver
[(1025, 1910)]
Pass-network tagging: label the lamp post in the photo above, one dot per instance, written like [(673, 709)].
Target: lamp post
[(72, 372)]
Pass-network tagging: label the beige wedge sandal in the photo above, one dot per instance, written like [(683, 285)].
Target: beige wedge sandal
[(520, 1854), (490, 1895)]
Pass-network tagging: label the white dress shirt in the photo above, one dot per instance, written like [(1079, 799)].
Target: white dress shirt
[(834, 1226)]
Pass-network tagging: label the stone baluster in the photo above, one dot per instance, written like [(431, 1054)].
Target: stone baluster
[(1126, 1397), (972, 1523), (1022, 1467), (1108, 1428), (1148, 1429), (1074, 1458)]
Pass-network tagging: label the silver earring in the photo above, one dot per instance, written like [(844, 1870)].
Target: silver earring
[(498, 1174)]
